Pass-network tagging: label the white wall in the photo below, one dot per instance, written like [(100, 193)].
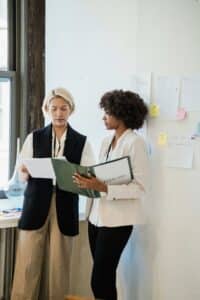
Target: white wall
[(168, 43), (90, 49), (93, 46)]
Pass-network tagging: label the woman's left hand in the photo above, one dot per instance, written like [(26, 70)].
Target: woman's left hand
[(89, 183)]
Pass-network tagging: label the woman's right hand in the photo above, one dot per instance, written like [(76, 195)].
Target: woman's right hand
[(23, 173)]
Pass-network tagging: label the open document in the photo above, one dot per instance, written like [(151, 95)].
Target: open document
[(39, 167), (116, 171)]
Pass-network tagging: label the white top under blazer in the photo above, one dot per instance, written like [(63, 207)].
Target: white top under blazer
[(123, 204)]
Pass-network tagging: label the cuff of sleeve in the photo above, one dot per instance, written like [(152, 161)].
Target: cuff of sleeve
[(111, 194)]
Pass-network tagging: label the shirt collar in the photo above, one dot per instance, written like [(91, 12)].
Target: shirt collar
[(63, 137), (124, 134)]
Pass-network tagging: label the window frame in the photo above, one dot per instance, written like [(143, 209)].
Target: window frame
[(22, 59), (11, 74)]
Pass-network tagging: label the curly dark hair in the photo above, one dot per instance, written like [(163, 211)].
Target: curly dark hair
[(126, 106)]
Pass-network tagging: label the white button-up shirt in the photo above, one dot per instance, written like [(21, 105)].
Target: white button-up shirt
[(123, 204), (87, 157)]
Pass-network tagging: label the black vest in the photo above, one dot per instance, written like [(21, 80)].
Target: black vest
[(38, 194)]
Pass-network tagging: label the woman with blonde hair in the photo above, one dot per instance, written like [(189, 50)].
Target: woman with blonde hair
[(49, 219)]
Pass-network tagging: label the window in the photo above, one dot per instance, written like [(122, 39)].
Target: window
[(4, 34), (4, 130), (7, 90)]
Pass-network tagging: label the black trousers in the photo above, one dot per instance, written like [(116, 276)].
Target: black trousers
[(106, 244)]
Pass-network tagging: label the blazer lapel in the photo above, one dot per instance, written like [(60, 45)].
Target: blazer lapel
[(47, 143)]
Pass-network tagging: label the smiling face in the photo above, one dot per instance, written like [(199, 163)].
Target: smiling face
[(59, 112)]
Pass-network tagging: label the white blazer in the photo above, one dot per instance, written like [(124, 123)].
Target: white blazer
[(123, 204)]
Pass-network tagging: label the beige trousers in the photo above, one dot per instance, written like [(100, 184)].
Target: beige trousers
[(43, 262)]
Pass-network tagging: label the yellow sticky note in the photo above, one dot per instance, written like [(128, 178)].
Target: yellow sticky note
[(162, 139), (154, 110)]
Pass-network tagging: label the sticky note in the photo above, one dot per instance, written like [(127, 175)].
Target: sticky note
[(181, 114), (162, 139), (154, 110)]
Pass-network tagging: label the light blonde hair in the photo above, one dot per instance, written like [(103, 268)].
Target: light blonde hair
[(58, 92)]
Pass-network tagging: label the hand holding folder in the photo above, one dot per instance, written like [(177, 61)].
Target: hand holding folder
[(117, 171)]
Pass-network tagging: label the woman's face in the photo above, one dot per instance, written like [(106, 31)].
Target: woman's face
[(59, 112), (110, 121)]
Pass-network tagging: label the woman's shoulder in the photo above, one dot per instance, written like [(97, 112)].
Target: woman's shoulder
[(41, 130), (135, 139), (131, 137), (138, 143), (29, 137)]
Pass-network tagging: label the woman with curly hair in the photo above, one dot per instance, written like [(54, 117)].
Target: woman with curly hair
[(112, 217)]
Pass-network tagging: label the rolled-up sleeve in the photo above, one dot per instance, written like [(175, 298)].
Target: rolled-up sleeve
[(137, 188), (87, 159)]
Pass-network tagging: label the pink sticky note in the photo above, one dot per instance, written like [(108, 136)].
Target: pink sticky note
[(181, 114)]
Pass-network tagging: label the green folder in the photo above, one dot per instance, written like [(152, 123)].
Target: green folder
[(117, 171), (64, 170)]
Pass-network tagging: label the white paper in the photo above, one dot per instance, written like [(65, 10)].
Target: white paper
[(114, 172), (167, 96), (179, 155), (39, 167), (190, 93), (141, 84)]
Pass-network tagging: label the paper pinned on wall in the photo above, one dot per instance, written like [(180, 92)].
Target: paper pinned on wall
[(197, 131), (190, 93), (167, 96), (141, 84), (179, 154)]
